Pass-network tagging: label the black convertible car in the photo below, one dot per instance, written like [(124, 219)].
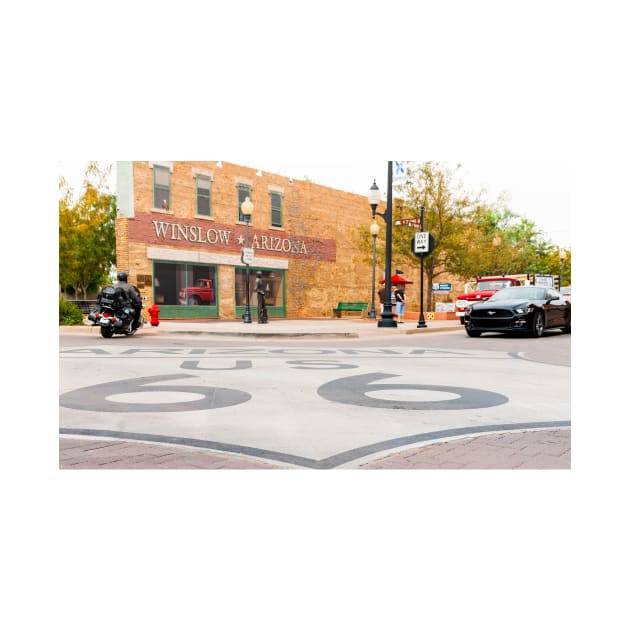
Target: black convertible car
[(519, 309)]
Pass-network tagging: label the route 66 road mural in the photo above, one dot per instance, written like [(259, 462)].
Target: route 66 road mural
[(316, 408)]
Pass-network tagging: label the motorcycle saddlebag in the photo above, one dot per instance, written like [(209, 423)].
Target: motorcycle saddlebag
[(112, 296)]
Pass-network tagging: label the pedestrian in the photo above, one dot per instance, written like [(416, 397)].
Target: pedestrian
[(399, 295), (381, 297)]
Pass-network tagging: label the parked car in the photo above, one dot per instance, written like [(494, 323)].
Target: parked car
[(519, 309), (565, 292), (486, 286)]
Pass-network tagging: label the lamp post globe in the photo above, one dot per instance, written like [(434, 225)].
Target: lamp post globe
[(247, 207), (374, 196)]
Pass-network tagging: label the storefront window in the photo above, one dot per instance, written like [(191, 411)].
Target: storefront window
[(272, 282), (184, 284)]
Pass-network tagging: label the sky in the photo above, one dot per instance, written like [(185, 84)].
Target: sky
[(537, 190)]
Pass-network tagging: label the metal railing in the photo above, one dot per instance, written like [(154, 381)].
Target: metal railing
[(85, 306)]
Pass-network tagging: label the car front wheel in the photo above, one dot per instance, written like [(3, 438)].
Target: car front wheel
[(537, 325)]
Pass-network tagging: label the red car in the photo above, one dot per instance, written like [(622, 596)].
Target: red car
[(486, 287)]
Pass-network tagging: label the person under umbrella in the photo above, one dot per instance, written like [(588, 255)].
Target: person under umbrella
[(399, 294)]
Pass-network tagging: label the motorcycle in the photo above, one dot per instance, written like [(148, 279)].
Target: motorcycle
[(114, 313)]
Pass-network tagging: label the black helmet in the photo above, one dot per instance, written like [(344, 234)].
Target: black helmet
[(122, 276)]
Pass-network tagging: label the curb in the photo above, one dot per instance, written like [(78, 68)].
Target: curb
[(284, 329), (164, 332), (257, 335)]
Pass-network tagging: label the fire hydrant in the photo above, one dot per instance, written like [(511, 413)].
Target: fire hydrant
[(154, 311)]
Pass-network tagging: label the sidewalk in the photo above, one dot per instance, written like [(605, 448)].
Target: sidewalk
[(349, 327), (543, 449)]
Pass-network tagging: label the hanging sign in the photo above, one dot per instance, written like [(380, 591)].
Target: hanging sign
[(409, 222)]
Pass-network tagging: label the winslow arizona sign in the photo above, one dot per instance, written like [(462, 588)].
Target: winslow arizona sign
[(230, 238)]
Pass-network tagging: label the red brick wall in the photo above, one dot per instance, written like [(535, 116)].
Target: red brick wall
[(324, 219)]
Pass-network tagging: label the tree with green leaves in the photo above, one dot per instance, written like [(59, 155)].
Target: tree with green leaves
[(551, 263), (437, 189), (501, 242), (87, 236)]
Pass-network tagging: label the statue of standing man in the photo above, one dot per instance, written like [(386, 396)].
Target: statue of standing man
[(259, 288)]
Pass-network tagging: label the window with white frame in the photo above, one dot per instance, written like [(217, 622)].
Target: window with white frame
[(276, 208), (204, 204), (244, 191), (161, 187)]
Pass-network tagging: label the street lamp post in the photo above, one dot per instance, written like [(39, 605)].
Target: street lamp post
[(421, 322), (247, 207), (387, 319), (374, 230), (562, 255)]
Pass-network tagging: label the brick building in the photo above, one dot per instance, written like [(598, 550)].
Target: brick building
[(180, 232)]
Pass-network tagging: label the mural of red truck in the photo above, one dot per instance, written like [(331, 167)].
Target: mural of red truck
[(202, 293)]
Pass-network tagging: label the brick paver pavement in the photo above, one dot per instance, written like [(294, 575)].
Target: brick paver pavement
[(98, 454), (548, 449), (544, 449)]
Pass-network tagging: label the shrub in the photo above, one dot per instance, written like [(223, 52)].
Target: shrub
[(69, 314)]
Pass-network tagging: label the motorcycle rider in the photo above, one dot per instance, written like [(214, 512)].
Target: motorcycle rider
[(134, 296)]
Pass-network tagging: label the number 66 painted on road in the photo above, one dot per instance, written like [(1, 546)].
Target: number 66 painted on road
[(94, 398), (352, 390)]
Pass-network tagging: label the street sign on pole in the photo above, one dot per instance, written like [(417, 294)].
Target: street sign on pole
[(543, 281), (247, 255), (422, 244), (409, 222)]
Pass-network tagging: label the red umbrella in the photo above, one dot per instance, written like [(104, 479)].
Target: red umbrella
[(396, 279)]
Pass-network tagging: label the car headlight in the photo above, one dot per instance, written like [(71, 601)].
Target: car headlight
[(469, 310), (522, 309)]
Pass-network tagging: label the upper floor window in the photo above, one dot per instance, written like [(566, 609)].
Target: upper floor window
[(276, 209), (161, 187), (203, 196), (244, 190)]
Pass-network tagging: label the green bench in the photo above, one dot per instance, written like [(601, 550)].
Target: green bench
[(357, 307)]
